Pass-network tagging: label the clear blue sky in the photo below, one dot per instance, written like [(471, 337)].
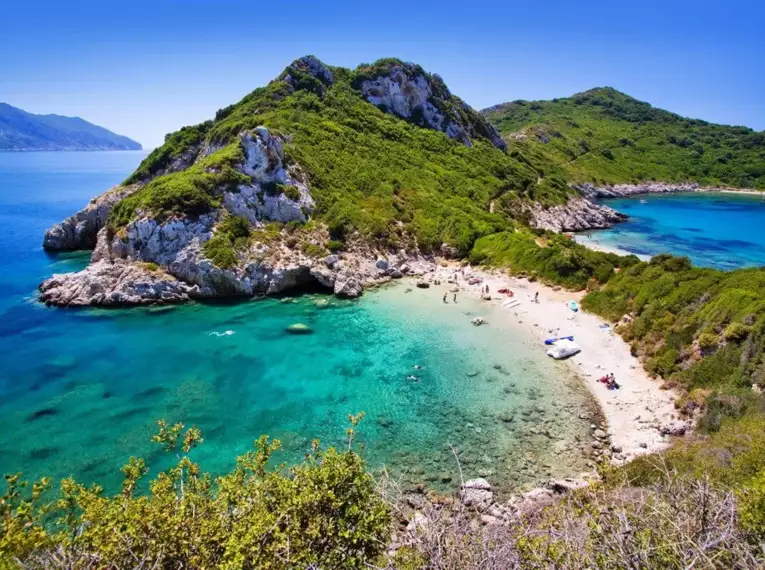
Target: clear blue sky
[(144, 68)]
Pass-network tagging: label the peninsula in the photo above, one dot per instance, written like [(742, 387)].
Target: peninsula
[(22, 131)]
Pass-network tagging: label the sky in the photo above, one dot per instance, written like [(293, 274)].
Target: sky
[(145, 68)]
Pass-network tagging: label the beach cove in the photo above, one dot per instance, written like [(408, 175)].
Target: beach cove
[(83, 388)]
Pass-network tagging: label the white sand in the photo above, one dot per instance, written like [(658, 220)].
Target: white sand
[(635, 411), (595, 245)]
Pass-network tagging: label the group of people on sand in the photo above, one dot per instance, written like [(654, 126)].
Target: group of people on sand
[(454, 298), (610, 381)]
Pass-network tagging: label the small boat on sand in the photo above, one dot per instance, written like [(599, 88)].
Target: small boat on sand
[(564, 349)]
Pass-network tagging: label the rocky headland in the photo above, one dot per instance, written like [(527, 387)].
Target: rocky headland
[(577, 214), (591, 191)]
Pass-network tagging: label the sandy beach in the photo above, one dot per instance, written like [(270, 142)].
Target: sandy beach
[(595, 245), (634, 412)]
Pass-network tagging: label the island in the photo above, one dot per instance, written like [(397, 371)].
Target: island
[(22, 131)]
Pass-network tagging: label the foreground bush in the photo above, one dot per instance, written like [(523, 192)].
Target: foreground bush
[(678, 522), (323, 512)]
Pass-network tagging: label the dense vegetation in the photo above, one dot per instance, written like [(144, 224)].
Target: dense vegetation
[(327, 512), (605, 136), (322, 513), (701, 328), (196, 190), (553, 258), (369, 171), (399, 184)]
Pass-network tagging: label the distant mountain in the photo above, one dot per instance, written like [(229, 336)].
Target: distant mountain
[(605, 136), (22, 131)]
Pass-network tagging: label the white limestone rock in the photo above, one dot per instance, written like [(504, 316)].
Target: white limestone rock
[(80, 230), (477, 493), (576, 215), (404, 89), (114, 284)]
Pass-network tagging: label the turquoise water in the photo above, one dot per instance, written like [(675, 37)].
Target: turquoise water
[(714, 230), (80, 390)]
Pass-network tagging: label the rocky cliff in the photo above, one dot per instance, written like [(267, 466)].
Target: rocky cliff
[(303, 182), (80, 230), (622, 190), (407, 91), (578, 214), (154, 260)]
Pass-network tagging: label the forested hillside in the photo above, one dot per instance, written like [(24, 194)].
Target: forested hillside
[(605, 136)]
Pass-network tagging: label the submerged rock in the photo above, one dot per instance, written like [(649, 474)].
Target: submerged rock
[(299, 328)]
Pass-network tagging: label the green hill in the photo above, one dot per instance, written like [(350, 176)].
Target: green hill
[(605, 136), (367, 169)]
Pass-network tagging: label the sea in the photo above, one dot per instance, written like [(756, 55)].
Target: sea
[(720, 230), (81, 390)]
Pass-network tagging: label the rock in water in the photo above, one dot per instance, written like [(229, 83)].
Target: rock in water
[(299, 328), (114, 284), (347, 286)]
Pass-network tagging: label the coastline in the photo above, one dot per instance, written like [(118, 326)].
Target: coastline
[(595, 245), (635, 413)]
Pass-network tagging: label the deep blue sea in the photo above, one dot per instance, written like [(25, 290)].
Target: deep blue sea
[(725, 231), (80, 390)]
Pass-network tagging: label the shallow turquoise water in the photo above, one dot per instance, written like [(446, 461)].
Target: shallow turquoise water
[(715, 230), (80, 389)]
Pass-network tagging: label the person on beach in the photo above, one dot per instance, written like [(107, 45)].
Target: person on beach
[(455, 297), (536, 297), (445, 301)]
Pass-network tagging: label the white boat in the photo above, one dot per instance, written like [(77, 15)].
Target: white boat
[(511, 304), (563, 349)]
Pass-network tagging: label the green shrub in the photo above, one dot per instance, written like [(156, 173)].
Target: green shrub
[(231, 234), (313, 250), (190, 192), (751, 509), (220, 250), (334, 245), (324, 512), (736, 332), (708, 341), (559, 260), (292, 192)]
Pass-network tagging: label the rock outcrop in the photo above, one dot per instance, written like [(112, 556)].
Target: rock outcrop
[(80, 230), (405, 90), (576, 215), (308, 66), (112, 284), (622, 190)]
